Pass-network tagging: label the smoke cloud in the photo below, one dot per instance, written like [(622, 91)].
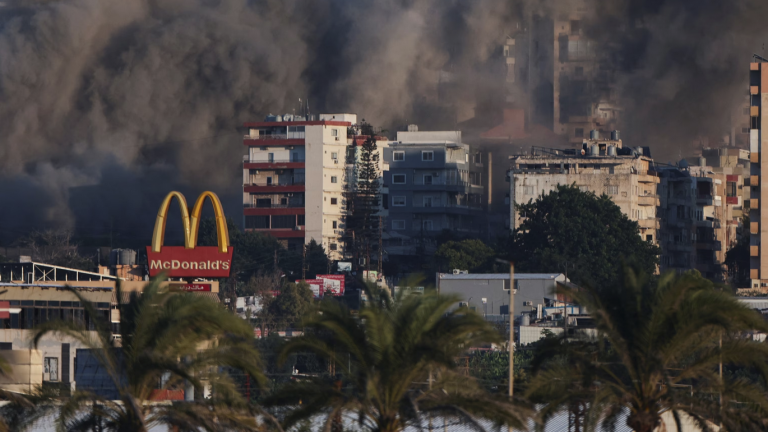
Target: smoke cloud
[(131, 98)]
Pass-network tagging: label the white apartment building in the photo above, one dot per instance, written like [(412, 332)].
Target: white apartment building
[(295, 176)]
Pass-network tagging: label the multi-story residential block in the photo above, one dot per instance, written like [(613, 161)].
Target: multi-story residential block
[(602, 166), (758, 181), (694, 208), (294, 179), (435, 183)]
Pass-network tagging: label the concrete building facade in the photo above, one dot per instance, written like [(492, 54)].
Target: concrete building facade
[(758, 182), (434, 183), (295, 177), (602, 167)]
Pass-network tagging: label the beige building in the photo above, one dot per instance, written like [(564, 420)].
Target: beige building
[(602, 167), (758, 90), (295, 177)]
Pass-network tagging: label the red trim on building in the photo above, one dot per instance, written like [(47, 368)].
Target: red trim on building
[(273, 211), (297, 123), (273, 165), (273, 189), (167, 395), (359, 140), (280, 233), (732, 200), (254, 142), (732, 178)]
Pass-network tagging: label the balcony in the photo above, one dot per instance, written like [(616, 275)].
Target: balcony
[(296, 185), (275, 210), (272, 140), (281, 233), (292, 163), (452, 209), (648, 200), (679, 247), (648, 178), (649, 223), (704, 200), (714, 245)]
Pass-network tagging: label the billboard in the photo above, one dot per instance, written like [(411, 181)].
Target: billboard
[(332, 284), (190, 260), (316, 285)]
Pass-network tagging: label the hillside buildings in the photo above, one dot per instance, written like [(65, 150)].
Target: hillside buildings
[(435, 183)]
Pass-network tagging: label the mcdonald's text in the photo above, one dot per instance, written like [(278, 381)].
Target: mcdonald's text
[(202, 261)]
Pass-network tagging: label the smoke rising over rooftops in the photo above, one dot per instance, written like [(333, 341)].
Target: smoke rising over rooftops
[(160, 86)]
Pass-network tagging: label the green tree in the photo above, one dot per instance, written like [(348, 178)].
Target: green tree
[(587, 232), (393, 365), (291, 305), (472, 255), (737, 258), (161, 337), (658, 350), (363, 197)]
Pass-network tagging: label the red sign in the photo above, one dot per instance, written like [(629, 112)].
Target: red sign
[(178, 261), (190, 287), (316, 285), (332, 284)]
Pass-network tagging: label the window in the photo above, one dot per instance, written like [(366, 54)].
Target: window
[(613, 190), (385, 200), (333, 246), (578, 133), (398, 201), (428, 155), (427, 225), (427, 179), (398, 224), (334, 132), (300, 220), (284, 201), (398, 156), (575, 27), (269, 181), (264, 202), (51, 369), (334, 179), (427, 201), (478, 158), (334, 201), (398, 178), (334, 155), (256, 222), (528, 190), (335, 224), (295, 157), (287, 221), (271, 157)]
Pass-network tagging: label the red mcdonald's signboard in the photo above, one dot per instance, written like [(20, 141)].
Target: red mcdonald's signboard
[(190, 260)]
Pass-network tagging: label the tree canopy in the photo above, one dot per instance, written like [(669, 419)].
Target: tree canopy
[(472, 255), (587, 233)]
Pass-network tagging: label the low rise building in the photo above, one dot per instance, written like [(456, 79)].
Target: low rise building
[(435, 184), (602, 166)]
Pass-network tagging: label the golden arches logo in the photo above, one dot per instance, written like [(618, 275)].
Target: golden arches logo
[(190, 261), (191, 222)]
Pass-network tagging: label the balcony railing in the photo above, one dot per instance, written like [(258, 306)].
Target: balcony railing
[(296, 181), (266, 137), (274, 206), (247, 160)]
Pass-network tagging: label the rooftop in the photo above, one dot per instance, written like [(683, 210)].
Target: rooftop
[(500, 276)]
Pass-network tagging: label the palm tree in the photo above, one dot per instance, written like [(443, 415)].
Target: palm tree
[(394, 364), (658, 352), (175, 338)]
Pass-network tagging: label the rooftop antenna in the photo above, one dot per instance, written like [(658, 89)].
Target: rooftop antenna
[(759, 57)]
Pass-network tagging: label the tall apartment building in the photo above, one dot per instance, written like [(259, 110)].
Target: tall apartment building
[(294, 178), (758, 181), (602, 166), (694, 214), (435, 184)]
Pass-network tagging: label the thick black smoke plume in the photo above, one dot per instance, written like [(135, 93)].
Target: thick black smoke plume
[(131, 98)]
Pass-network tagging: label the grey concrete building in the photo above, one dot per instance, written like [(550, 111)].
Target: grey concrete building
[(488, 293), (435, 184)]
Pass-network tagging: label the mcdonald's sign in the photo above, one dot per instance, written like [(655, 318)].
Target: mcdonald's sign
[(190, 260)]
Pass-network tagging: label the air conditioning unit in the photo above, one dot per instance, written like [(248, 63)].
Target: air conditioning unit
[(335, 161), (458, 271), (298, 228), (527, 303)]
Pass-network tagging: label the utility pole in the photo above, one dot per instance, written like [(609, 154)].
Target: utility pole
[(511, 328), (381, 247)]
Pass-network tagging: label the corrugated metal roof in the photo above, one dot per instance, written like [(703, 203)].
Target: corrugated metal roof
[(499, 276), (755, 302)]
